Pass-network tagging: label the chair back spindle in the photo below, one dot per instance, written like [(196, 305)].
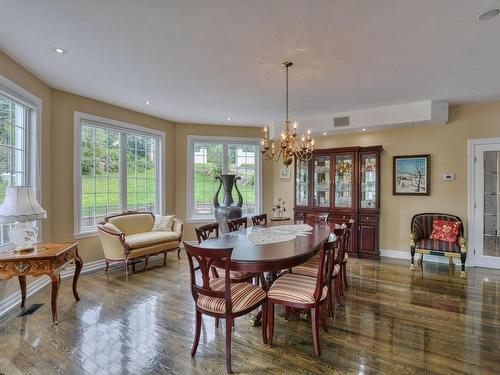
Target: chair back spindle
[(236, 224), (259, 219), (204, 232), (326, 263)]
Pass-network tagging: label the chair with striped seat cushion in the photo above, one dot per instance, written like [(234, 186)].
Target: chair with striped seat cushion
[(243, 296), (293, 290), (311, 269), (219, 297)]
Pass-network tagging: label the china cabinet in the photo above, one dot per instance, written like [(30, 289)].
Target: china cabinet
[(344, 183)]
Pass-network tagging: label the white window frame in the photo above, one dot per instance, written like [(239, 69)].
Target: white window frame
[(34, 145), (191, 140), (107, 123)]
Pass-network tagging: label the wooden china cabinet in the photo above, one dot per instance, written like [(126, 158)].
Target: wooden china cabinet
[(344, 183)]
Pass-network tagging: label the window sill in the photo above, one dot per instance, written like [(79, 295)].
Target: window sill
[(200, 220), (78, 236)]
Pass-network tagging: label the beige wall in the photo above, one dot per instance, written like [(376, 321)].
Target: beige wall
[(182, 132), (447, 145)]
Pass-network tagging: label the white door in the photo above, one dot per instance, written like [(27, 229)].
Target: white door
[(486, 225)]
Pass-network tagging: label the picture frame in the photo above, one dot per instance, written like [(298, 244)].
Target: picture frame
[(411, 175), (285, 173)]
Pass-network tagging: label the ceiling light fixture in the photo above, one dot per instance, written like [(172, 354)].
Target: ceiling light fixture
[(325, 133), (60, 51), (229, 119), (363, 129), (488, 15), (287, 146), (147, 102)]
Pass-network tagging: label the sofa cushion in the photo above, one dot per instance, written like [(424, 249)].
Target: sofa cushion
[(243, 296), (445, 230), (133, 223), (436, 245), (163, 223), (149, 238)]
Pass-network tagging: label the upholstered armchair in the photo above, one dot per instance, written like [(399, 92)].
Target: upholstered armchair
[(133, 235), (421, 242)]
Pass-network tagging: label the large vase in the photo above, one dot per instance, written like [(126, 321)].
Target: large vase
[(227, 209)]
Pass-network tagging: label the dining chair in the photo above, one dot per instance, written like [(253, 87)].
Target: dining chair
[(343, 265), (310, 268), (298, 291), (236, 224), (259, 219), (219, 297)]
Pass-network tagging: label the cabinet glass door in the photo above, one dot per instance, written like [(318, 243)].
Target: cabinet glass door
[(321, 186), (343, 181), (368, 187), (302, 183)]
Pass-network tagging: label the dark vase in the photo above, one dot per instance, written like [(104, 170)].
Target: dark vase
[(227, 209)]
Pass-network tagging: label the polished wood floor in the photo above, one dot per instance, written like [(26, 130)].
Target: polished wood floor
[(392, 322)]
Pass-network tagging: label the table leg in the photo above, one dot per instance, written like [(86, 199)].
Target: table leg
[(78, 268), (256, 321), (22, 285), (271, 277), (55, 277)]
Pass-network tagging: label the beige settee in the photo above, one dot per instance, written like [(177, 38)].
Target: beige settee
[(129, 236)]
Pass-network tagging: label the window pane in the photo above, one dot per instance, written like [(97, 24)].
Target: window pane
[(208, 164), (100, 172), (13, 130), (241, 162), (142, 180)]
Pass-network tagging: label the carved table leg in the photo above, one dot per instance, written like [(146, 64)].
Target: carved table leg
[(22, 284), (78, 268), (256, 321), (56, 281)]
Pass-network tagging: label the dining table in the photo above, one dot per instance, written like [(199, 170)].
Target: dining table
[(270, 257)]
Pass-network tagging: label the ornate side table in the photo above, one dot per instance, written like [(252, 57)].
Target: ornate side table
[(46, 259)]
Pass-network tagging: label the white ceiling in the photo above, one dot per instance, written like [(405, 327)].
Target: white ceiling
[(202, 61)]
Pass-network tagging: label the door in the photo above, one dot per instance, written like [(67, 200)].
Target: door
[(486, 221)]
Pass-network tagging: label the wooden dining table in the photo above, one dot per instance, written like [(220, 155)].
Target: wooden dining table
[(273, 257)]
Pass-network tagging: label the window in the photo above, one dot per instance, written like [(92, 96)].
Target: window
[(209, 157), (19, 114), (117, 169)]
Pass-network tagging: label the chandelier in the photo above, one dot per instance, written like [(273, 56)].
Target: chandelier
[(287, 146)]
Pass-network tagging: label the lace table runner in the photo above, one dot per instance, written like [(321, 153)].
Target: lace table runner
[(279, 233)]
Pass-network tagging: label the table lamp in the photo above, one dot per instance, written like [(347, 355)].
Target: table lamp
[(21, 207)]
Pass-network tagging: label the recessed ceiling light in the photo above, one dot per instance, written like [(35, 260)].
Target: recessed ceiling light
[(325, 133), (229, 119), (147, 102), (489, 14), (363, 129), (60, 51)]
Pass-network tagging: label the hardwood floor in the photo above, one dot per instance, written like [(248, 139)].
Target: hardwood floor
[(392, 321)]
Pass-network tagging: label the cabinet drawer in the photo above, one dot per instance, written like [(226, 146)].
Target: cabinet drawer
[(372, 219), (341, 218), (299, 215)]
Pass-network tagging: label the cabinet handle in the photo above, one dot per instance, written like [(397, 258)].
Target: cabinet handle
[(367, 218), (343, 217)]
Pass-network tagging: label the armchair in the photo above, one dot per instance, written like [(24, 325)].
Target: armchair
[(420, 242), (129, 236)]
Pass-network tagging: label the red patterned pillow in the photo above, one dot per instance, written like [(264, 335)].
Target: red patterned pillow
[(444, 230)]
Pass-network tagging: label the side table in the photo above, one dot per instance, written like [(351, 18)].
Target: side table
[(46, 259)]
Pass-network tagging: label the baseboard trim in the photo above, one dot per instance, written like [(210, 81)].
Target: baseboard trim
[(398, 254), (14, 300)]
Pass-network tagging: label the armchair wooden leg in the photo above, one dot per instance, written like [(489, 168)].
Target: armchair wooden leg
[(146, 261), (165, 258), (107, 266), (452, 263), (421, 260), (179, 253), (463, 257), (412, 252), (126, 268)]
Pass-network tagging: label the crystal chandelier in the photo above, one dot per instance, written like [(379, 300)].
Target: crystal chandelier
[(287, 145)]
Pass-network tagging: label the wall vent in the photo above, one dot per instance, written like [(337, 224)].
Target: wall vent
[(339, 122)]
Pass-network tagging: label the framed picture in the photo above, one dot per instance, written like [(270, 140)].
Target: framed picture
[(411, 175), (285, 173)]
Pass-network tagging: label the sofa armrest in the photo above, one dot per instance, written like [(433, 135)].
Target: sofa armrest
[(113, 242), (178, 227)]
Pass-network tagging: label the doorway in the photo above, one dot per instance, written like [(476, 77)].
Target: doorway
[(484, 202)]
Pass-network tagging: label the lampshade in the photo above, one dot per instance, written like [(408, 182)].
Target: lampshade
[(20, 205)]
